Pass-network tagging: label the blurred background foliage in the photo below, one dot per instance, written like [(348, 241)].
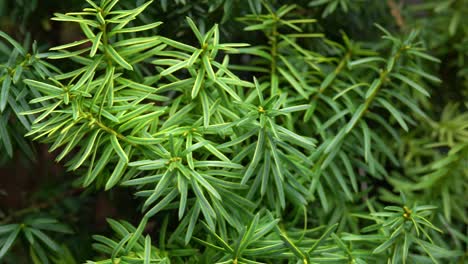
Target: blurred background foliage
[(429, 164)]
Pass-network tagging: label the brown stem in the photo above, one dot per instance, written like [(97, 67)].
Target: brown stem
[(395, 10), (41, 205)]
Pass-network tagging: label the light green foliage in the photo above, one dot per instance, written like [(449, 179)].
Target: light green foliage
[(129, 247), (285, 159)]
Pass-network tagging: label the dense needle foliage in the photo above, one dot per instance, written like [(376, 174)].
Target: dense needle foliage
[(324, 131)]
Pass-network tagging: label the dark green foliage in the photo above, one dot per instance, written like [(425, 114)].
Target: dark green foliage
[(20, 64), (254, 134)]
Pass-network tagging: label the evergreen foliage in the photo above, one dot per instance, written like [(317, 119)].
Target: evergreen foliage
[(247, 131)]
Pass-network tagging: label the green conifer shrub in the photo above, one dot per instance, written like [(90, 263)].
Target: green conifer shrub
[(325, 131)]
